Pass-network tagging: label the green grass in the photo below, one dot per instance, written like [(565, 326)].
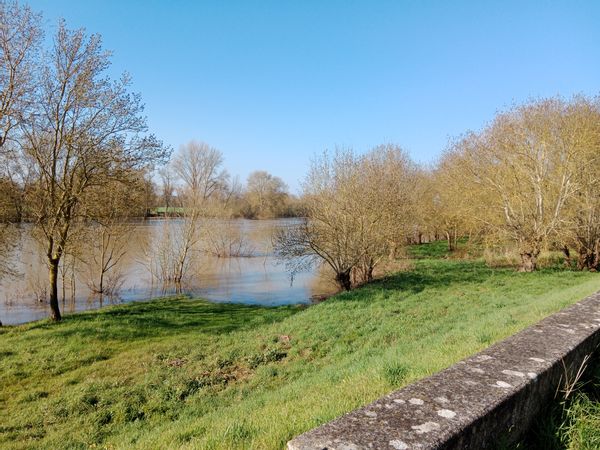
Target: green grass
[(572, 423), (179, 373)]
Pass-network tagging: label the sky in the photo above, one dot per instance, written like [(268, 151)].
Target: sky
[(273, 83)]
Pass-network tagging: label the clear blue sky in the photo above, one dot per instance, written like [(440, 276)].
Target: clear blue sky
[(271, 83)]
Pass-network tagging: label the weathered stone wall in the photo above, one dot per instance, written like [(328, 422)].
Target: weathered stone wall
[(491, 396)]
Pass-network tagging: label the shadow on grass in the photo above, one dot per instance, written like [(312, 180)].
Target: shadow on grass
[(429, 274), (164, 317)]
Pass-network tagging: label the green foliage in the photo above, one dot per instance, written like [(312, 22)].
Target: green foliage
[(180, 373)]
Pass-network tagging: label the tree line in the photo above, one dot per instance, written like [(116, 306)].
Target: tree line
[(529, 181), (196, 169)]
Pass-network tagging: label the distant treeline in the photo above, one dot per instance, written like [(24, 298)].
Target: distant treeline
[(197, 169)]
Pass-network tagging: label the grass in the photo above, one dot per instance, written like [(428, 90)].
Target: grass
[(572, 423), (180, 373)]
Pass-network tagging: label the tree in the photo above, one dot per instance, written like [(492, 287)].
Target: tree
[(199, 167), (167, 187), (20, 36), (201, 180), (583, 210), (357, 208), (332, 231), (522, 172), (86, 129), (266, 194), (385, 203), (104, 242), (450, 209)]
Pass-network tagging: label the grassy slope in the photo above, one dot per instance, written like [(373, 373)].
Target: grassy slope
[(189, 374)]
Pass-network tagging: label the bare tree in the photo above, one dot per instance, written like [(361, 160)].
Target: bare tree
[(583, 210), (86, 129), (171, 256), (266, 194), (167, 187), (20, 36), (199, 167), (201, 182), (225, 238), (357, 209), (104, 244), (522, 171)]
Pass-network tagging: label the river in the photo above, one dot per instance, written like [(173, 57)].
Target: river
[(254, 276)]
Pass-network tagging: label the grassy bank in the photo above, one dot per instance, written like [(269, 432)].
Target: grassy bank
[(180, 373)]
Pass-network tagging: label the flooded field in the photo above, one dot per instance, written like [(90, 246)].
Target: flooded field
[(248, 274)]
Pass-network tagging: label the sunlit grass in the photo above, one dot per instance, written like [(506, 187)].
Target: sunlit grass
[(181, 373)]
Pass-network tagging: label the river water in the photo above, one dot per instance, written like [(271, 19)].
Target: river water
[(254, 276)]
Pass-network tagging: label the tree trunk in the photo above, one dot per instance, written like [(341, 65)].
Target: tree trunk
[(343, 280), (101, 284), (528, 261), (451, 246), (567, 254), (589, 258), (393, 251), (369, 273), (53, 276), (596, 263)]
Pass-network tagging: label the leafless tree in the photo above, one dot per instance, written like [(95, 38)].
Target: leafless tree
[(20, 36), (86, 129), (201, 181), (105, 237), (266, 194), (167, 187), (224, 238), (357, 209), (199, 167), (522, 171)]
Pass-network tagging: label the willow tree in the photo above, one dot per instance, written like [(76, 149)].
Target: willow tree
[(523, 171), (454, 200), (332, 233), (583, 210), (386, 205), (357, 210), (86, 129)]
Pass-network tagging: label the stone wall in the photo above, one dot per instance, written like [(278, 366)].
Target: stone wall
[(490, 397)]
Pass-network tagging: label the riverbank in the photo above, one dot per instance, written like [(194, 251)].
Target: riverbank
[(179, 373)]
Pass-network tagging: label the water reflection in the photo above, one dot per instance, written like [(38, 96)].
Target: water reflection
[(254, 277)]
